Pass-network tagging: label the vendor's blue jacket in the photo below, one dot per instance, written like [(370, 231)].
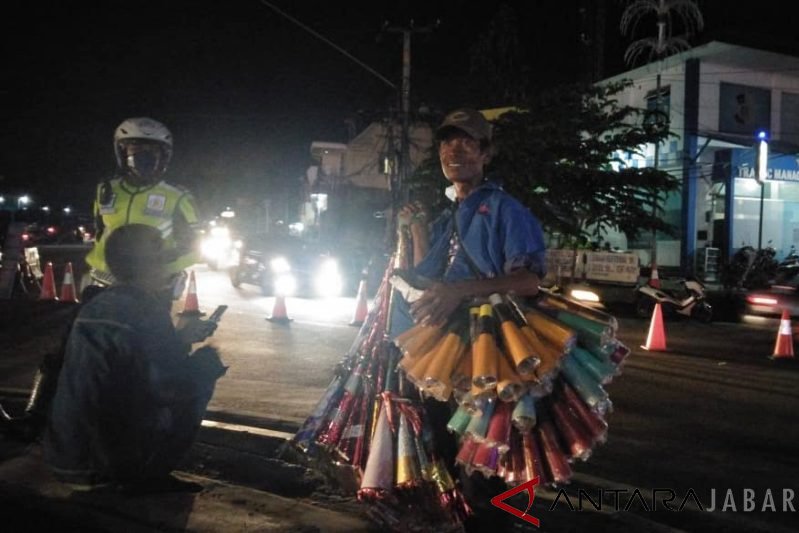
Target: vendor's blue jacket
[(498, 233), (126, 387)]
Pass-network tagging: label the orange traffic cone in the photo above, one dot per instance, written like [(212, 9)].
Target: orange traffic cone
[(654, 279), (68, 291), (656, 339), (783, 348), (279, 313), (48, 284), (191, 306), (362, 306)]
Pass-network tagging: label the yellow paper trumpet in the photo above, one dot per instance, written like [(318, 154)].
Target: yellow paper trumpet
[(438, 375), (431, 372), (516, 345), (510, 386), (418, 340), (461, 378), (558, 334), (485, 353)]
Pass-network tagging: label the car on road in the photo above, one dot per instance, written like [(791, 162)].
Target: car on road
[(770, 303), (781, 295), (219, 247), (280, 264)]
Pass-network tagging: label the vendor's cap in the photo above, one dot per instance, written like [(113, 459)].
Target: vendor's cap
[(470, 121)]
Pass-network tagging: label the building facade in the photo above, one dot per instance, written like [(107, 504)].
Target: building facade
[(348, 184), (717, 97)]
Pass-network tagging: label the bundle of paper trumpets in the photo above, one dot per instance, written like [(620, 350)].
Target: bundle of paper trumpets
[(527, 378)]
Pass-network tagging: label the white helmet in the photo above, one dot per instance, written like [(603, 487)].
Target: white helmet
[(143, 129)]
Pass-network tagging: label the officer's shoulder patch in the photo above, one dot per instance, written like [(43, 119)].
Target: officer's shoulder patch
[(176, 189)]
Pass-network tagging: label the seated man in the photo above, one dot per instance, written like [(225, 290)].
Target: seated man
[(130, 397)]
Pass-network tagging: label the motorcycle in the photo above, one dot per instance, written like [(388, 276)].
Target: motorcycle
[(787, 270), (687, 298), (750, 268)]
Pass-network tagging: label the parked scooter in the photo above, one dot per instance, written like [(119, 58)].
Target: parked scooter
[(686, 298), (788, 270), (750, 268)]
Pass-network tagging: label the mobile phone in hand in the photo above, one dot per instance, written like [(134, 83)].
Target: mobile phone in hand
[(217, 314)]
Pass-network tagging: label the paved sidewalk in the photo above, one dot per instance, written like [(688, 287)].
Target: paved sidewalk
[(31, 500)]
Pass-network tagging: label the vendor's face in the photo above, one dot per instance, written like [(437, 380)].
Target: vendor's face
[(462, 160)]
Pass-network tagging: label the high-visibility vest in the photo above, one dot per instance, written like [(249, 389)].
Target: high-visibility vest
[(161, 206)]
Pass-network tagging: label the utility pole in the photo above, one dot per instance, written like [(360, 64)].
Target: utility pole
[(399, 185), (659, 48)]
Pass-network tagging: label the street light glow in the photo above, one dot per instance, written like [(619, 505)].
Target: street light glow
[(761, 172)]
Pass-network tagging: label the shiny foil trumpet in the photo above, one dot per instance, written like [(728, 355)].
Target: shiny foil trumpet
[(378, 476)]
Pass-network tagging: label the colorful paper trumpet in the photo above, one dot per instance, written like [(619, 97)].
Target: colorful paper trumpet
[(432, 372), (332, 433), (510, 386), (498, 433), (408, 470), (459, 420), (593, 422), (555, 333), (516, 344), (378, 476), (533, 459), (556, 460), (523, 416), (485, 353), (307, 434), (418, 340), (589, 389)]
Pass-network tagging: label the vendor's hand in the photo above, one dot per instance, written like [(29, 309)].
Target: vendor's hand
[(195, 330), (436, 305), (412, 214)]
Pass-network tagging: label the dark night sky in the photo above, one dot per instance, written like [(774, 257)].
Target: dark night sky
[(244, 90)]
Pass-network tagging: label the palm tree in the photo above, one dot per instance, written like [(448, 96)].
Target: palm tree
[(664, 45)]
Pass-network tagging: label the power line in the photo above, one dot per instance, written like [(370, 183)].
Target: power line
[(329, 42), (400, 186)]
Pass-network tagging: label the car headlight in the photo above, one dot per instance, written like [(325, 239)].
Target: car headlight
[(328, 282), (584, 295), (220, 232), (285, 284), (280, 265), (216, 245)]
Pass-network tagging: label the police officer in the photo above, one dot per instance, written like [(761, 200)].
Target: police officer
[(139, 195)]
